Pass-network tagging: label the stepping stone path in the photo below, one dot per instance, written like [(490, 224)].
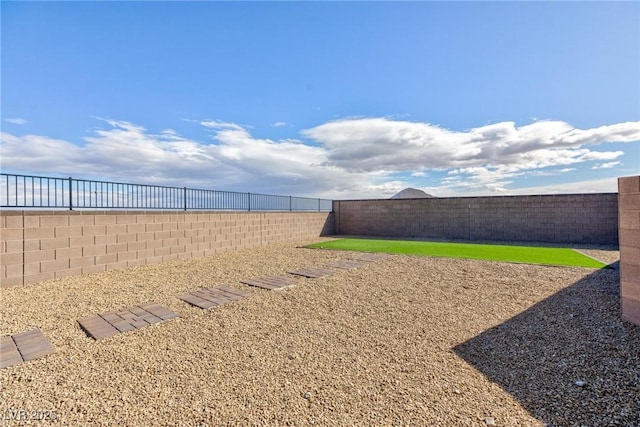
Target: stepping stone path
[(313, 272), (368, 256), (271, 282), (23, 347), (208, 298), (108, 324), (347, 264)]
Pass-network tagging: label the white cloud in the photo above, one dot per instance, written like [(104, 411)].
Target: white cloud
[(279, 124), (606, 185), (34, 153), (220, 125), (16, 121), (483, 180), (351, 158), (486, 157), (608, 165), (235, 160), (381, 144), (551, 172)]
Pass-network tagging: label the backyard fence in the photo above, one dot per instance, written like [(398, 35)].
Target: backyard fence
[(28, 191)]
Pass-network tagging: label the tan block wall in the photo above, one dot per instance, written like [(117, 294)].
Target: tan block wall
[(39, 245), (629, 201), (571, 218)]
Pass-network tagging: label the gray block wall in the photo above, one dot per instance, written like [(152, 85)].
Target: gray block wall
[(570, 218)]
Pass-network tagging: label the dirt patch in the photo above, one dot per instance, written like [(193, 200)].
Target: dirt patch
[(603, 254), (401, 341)]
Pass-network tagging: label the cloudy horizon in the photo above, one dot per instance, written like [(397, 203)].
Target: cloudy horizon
[(345, 158)]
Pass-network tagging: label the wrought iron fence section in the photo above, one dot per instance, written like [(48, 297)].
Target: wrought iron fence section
[(33, 191), (305, 204), (265, 202), (214, 199), (326, 205), (26, 191), (89, 194)]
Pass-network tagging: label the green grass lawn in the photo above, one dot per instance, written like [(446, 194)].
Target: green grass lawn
[(506, 253)]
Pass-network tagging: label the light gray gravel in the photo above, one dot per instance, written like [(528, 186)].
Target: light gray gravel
[(402, 341)]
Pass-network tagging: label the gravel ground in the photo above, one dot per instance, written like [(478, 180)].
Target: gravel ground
[(403, 341)]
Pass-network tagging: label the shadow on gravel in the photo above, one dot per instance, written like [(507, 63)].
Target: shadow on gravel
[(542, 355)]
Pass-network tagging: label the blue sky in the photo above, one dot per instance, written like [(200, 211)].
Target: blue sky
[(327, 99)]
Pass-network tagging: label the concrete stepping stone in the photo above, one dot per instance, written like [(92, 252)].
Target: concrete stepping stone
[(347, 264), (23, 347), (209, 298), (271, 282), (313, 272), (111, 323), (368, 256)]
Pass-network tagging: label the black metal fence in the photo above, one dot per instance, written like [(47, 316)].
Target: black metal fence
[(27, 191)]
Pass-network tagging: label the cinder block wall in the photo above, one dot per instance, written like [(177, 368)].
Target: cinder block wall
[(573, 218), (38, 245), (629, 194)]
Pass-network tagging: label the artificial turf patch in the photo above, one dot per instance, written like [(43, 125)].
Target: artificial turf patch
[(505, 253)]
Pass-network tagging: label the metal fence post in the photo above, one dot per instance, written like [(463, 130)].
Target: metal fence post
[(70, 193), (290, 204), (249, 202), (185, 198)]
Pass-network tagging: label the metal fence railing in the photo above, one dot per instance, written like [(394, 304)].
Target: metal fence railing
[(28, 191)]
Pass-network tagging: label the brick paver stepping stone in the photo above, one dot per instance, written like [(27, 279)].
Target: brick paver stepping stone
[(347, 264), (271, 282), (313, 272), (22, 347), (208, 298), (368, 256), (111, 323)]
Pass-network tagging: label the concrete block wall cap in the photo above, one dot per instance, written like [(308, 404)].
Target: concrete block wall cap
[(629, 184)]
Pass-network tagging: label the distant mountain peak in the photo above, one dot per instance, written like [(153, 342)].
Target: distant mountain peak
[(411, 193)]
